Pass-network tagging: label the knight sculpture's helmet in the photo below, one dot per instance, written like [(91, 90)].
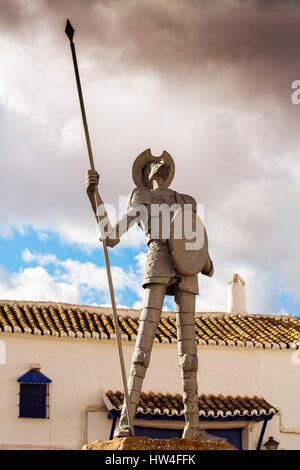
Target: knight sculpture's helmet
[(144, 159)]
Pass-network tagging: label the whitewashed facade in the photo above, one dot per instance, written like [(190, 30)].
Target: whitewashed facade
[(81, 367)]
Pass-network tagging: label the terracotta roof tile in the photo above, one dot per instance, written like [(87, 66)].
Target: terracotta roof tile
[(40, 319), (47, 317), (19, 316), (264, 331), (74, 324), (209, 405)]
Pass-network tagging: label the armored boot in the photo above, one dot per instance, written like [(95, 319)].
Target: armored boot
[(191, 429), (135, 380), (190, 398)]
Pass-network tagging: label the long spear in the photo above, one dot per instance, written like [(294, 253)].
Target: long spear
[(70, 33)]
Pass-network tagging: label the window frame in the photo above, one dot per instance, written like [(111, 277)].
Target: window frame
[(29, 406), (34, 394)]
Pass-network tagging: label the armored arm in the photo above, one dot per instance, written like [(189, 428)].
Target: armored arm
[(137, 212), (92, 181), (133, 215)]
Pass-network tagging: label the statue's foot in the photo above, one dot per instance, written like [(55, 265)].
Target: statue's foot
[(198, 434), (122, 431)]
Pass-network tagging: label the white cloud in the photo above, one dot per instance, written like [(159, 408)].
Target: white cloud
[(37, 284), (94, 277), (234, 139), (260, 295), (70, 277), (43, 236), (43, 260), (138, 305), (73, 281), (141, 261)]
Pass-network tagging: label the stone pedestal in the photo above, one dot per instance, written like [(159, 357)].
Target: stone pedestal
[(146, 443)]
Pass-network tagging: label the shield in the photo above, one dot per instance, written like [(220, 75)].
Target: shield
[(188, 242)]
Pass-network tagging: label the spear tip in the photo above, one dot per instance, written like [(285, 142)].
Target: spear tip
[(69, 30)]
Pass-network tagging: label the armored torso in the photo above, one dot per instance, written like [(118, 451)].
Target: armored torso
[(160, 266)]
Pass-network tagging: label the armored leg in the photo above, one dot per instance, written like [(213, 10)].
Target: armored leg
[(150, 315), (187, 354), (188, 362)]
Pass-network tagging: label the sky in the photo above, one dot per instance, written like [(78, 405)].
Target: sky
[(210, 82)]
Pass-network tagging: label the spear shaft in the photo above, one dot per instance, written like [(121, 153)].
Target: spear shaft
[(70, 33)]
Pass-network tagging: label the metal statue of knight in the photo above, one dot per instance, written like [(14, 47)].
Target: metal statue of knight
[(170, 269)]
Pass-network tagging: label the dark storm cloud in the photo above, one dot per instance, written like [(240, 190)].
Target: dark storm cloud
[(254, 43), (173, 34)]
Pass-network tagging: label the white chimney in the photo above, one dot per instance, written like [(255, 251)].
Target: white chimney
[(236, 295)]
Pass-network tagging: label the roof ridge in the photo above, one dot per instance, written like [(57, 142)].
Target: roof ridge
[(125, 311), (49, 303), (214, 329), (210, 405)]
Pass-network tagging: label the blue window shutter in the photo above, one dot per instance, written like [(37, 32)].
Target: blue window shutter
[(33, 400), (33, 394)]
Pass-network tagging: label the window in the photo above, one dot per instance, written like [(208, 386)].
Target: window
[(34, 394), (233, 435), (33, 400)]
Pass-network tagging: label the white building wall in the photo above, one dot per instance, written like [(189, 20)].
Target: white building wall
[(79, 368)]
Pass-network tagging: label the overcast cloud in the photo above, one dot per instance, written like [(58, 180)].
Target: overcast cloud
[(210, 82)]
